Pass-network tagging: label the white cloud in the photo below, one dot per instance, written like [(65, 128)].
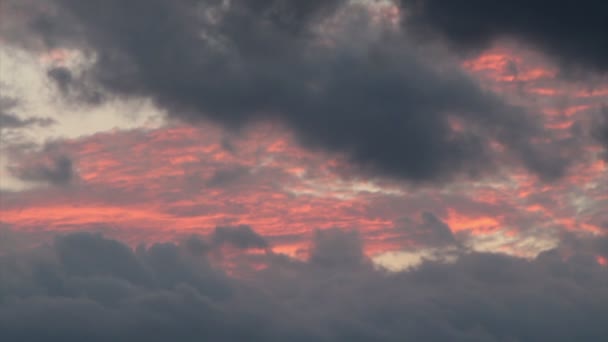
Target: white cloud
[(23, 77)]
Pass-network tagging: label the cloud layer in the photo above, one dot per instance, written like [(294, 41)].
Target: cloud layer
[(85, 286)]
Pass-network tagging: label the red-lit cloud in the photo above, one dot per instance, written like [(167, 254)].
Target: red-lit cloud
[(179, 179)]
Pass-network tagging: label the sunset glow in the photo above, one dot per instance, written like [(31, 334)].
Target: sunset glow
[(285, 170)]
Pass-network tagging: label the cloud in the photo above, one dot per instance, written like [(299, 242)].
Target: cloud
[(428, 231), (56, 170), (242, 237), (600, 130), (85, 286), (335, 248), (288, 191), (12, 121), (225, 177), (74, 87), (573, 34), (9, 120), (342, 82)]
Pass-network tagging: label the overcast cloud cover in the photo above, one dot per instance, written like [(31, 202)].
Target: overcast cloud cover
[(407, 170)]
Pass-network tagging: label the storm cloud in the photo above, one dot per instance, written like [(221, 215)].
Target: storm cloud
[(343, 82)]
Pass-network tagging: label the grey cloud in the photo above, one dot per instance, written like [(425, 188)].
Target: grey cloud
[(242, 237), (347, 88), (428, 231), (59, 170), (12, 121), (8, 120), (335, 248), (573, 33), (76, 88), (87, 287), (225, 177), (600, 129)]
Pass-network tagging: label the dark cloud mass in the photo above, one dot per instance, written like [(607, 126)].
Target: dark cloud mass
[(87, 287), (572, 32), (57, 170), (342, 82)]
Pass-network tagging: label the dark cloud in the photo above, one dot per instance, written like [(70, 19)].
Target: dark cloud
[(242, 237), (87, 287), (75, 88), (12, 121), (57, 170), (225, 177), (428, 231), (600, 129), (340, 81), (9, 120), (574, 33), (335, 248)]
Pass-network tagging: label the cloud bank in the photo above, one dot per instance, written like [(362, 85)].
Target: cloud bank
[(84, 286)]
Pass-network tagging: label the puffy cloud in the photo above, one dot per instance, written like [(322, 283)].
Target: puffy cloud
[(85, 286)]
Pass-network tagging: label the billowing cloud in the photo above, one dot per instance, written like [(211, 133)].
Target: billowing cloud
[(85, 286), (377, 101)]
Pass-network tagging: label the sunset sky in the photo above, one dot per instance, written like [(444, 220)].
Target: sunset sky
[(203, 157)]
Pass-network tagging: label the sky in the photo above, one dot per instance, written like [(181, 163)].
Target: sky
[(271, 170)]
